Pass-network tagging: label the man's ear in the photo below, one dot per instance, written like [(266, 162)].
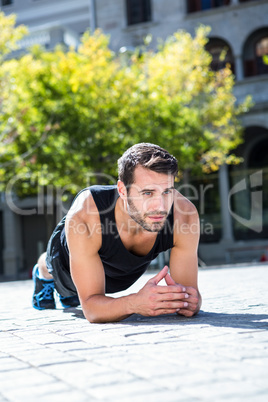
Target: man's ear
[(122, 190)]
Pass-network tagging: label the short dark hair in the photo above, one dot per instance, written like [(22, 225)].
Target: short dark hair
[(149, 156)]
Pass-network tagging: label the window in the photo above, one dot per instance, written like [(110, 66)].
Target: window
[(201, 5), (219, 48), (6, 2), (255, 48), (207, 186), (261, 50), (254, 150), (138, 11)]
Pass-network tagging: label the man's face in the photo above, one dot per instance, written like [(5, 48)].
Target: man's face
[(150, 198)]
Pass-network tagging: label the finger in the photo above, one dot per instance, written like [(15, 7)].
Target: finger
[(176, 304), (161, 275), (190, 310), (191, 306), (192, 291), (169, 280), (170, 289), (164, 297), (164, 311), (185, 313), (191, 299)]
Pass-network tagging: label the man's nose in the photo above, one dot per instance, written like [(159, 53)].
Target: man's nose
[(158, 203)]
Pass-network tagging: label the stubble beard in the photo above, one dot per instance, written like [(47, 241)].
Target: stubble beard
[(138, 218)]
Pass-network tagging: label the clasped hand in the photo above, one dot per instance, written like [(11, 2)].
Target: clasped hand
[(154, 300)]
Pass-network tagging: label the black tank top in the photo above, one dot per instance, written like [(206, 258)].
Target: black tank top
[(122, 268)]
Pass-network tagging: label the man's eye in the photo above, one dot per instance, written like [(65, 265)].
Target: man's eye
[(167, 192), (147, 193)]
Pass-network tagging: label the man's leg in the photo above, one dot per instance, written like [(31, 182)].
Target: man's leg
[(43, 297), (42, 266)]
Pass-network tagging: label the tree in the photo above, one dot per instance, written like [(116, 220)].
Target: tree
[(192, 109), (10, 35), (58, 111), (69, 114)]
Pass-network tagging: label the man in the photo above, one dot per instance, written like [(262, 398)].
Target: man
[(112, 233)]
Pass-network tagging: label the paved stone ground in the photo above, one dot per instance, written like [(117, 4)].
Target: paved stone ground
[(219, 355)]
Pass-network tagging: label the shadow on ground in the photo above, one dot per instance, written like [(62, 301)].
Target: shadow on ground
[(238, 320)]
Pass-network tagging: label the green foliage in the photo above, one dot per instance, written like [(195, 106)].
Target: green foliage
[(66, 115), (9, 34)]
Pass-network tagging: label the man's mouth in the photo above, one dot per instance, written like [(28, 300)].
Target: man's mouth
[(156, 217)]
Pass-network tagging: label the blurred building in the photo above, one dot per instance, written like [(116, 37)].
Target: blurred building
[(233, 204)]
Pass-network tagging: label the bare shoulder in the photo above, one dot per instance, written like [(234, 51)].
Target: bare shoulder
[(83, 218), (184, 209), (186, 222), (83, 208)]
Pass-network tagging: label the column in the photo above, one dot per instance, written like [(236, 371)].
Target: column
[(12, 253), (226, 219), (56, 36), (239, 70), (92, 16)]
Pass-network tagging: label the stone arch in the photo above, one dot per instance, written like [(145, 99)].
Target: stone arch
[(215, 47), (255, 47)]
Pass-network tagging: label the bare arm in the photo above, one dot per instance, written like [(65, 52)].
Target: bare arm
[(88, 275), (184, 259)]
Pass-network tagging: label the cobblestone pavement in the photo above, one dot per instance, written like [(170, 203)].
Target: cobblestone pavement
[(221, 354)]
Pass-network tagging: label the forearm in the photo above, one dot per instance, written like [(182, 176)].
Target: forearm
[(101, 308), (151, 300)]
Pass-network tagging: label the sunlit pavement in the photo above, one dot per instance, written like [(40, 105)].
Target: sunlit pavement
[(221, 354)]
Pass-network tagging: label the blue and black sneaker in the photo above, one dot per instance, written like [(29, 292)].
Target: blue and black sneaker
[(71, 301), (43, 297)]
